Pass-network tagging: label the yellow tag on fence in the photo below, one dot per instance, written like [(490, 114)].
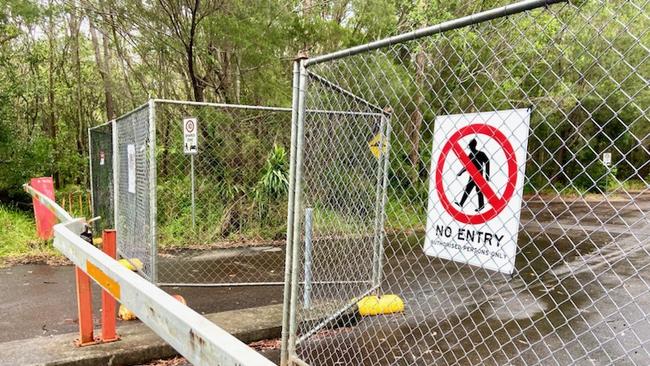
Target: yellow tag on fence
[(376, 143)]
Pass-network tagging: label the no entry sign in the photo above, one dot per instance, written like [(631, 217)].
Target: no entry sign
[(476, 186)]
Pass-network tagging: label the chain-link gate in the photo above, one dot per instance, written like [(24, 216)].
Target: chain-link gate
[(214, 214), (514, 203), (100, 151)]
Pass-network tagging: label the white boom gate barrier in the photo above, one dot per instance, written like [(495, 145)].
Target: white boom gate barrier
[(196, 338)]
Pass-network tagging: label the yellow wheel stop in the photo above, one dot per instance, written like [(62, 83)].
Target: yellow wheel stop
[(380, 305), (133, 264)]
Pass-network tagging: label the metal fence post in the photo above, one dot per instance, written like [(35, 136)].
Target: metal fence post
[(193, 192), (290, 214), (116, 182), (308, 243), (302, 84), (152, 191), (382, 185)]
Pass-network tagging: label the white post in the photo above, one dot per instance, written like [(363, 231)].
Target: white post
[(308, 245)]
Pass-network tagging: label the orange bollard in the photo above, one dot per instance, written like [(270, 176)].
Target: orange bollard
[(109, 333), (84, 309)]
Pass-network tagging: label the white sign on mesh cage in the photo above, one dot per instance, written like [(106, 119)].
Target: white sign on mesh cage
[(130, 160), (607, 159), (190, 139), (476, 186)]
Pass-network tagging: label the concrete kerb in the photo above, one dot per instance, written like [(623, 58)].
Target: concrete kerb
[(138, 344)]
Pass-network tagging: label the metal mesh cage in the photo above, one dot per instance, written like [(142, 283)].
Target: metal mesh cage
[(135, 201), (578, 293), (101, 175), (221, 212)]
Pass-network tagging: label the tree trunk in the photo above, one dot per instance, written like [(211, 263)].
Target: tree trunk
[(102, 63), (197, 83), (49, 123), (80, 126)]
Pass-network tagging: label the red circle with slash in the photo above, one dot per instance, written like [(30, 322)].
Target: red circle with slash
[(189, 125), (497, 203)]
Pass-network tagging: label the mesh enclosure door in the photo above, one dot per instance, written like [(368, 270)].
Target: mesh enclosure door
[(579, 291), (345, 150), (135, 202), (101, 176), (221, 213)]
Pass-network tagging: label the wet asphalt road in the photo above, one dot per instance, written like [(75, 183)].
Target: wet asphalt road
[(40, 300), (580, 295)]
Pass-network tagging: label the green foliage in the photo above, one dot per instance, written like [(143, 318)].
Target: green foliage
[(18, 235), (274, 182), (225, 210), (241, 53)]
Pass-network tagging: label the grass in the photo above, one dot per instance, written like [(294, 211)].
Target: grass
[(18, 240)]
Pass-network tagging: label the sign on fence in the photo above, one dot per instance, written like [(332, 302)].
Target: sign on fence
[(478, 166), (130, 156), (190, 140), (607, 159)]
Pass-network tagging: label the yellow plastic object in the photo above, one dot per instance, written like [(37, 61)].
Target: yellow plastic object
[(98, 241), (126, 314), (132, 264), (376, 305)]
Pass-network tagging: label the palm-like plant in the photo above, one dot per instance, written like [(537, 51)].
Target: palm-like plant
[(274, 182)]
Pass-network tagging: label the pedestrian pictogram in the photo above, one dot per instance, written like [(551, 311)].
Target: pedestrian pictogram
[(482, 164), (477, 173)]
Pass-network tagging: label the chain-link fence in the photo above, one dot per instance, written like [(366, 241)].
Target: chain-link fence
[(212, 214), (512, 213), (135, 201), (221, 214), (101, 175)]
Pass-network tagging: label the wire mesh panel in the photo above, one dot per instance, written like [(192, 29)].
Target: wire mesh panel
[(101, 182), (343, 185), (133, 214), (575, 77), (221, 212)]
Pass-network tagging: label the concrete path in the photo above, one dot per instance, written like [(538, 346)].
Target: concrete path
[(40, 300), (138, 344)]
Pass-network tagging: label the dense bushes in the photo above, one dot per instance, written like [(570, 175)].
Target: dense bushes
[(224, 209)]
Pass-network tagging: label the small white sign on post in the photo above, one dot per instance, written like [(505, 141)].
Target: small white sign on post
[(607, 159), (190, 136), (476, 187), (130, 158)]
